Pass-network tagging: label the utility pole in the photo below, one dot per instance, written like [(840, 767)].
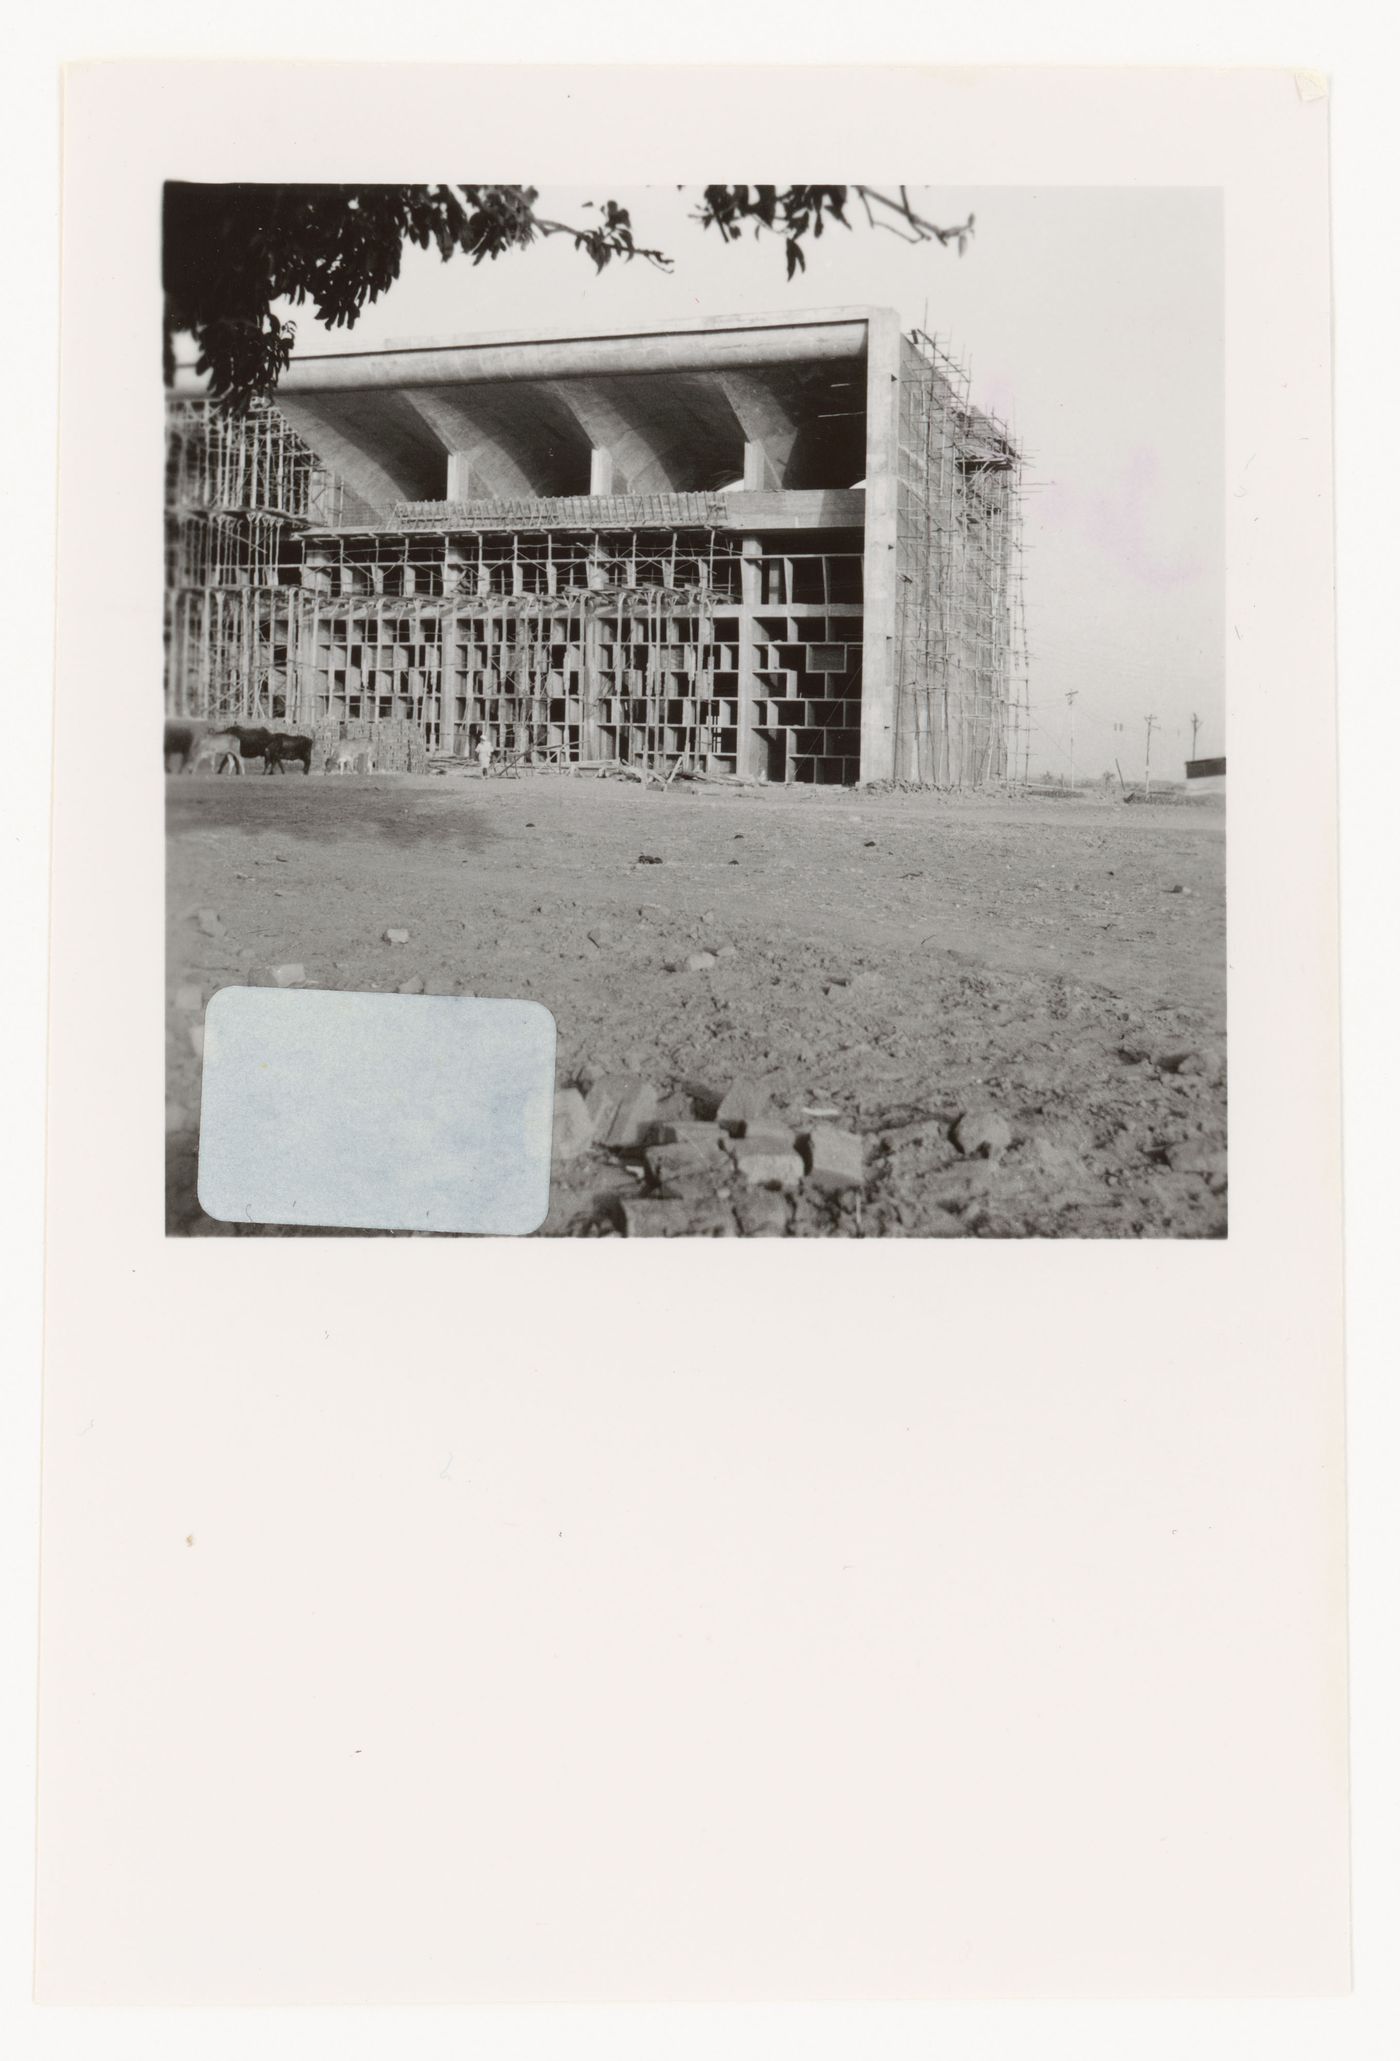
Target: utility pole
[(1071, 698), (1147, 762), (1195, 726)]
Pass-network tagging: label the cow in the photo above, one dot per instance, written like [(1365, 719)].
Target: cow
[(181, 744), (252, 743), (183, 739), (351, 754), (284, 746), (217, 746)]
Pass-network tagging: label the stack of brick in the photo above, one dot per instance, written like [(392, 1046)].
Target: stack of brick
[(705, 1175)]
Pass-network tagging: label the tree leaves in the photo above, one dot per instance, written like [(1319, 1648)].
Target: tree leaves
[(232, 252), (790, 211)]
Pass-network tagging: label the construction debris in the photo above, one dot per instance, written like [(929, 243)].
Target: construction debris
[(573, 1127), (701, 1170), (835, 1159), (763, 1167), (746, 1102), (621, 1109), (982, 1134)]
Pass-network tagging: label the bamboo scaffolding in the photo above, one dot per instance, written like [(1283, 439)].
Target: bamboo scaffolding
[(640, 646), (960, 648)]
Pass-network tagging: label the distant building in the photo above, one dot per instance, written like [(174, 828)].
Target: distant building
[(785, 546), (1205, 776)]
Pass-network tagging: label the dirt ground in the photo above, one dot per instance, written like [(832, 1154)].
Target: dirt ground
[(897, 958)]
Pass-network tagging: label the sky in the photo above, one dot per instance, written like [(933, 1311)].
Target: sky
[(1091, 319)]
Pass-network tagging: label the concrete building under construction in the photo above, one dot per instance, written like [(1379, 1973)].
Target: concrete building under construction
[(784, 546)]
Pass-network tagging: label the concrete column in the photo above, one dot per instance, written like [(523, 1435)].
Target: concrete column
[(459, 476), (747, 757), (600, 471), (759, 474), (878, 683), (590, 688)]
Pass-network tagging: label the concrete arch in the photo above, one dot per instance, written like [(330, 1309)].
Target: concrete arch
[(375, 442), (517, 440), (666, 433), (809, 426)]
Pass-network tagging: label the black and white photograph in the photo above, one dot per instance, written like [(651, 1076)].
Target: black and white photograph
[(695, 712), (777, 629)]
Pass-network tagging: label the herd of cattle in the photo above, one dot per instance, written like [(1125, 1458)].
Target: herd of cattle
[(191, 746)]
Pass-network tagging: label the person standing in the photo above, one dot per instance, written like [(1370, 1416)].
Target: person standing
[(484, 750)]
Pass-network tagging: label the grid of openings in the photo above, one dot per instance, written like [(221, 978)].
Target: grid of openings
[(378, 667), (637, 675), (668, 685), (233, 653), (593, 650), (570, 648), (807, 635)]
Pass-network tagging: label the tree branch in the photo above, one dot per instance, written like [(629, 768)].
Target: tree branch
[(231, 253)]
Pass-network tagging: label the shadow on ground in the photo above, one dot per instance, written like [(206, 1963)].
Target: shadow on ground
[(323, 810)]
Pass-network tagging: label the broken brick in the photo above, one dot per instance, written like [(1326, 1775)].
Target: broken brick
[(665, 1161), (835, 1159), (762, 1213), (1198, 1156), (747, 1101), (686, 1131), (981, 1133), (674, 1108), (622, 1109), (573, 1128), (770, 1134), (645, 1219), (604, 1093), (699, 1184), (679, 1219), (764, 1169)]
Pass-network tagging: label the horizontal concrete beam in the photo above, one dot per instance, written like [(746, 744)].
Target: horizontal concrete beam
[(813, 508), (573, 358)]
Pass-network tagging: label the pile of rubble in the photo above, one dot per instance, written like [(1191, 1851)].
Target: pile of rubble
[(694, 1164)]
